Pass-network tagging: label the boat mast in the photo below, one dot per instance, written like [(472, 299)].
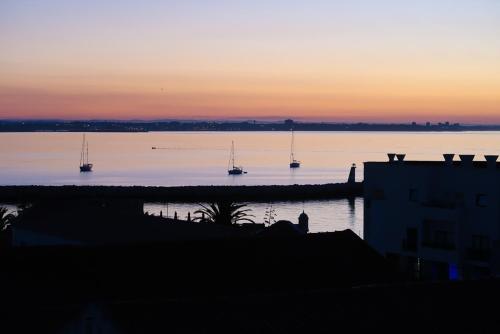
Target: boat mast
[(87, 153), (230, 157), (291, 149), (232, 152), (82, 153)]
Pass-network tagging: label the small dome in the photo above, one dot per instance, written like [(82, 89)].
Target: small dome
[(303, 215), (283, 223)]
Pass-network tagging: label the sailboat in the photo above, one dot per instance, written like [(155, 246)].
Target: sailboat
[(85, 166), (293, 163), (231, 168)]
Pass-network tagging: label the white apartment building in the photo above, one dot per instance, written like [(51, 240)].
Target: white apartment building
[(435, 219)]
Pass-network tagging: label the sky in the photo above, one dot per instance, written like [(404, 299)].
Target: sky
[(356, 60)]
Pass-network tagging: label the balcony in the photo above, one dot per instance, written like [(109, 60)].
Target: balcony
[(437, 204), (475, 254), (409, 246), (442, 245)]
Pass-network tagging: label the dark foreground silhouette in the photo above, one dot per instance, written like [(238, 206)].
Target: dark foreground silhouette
[(50, 287), (133, 273), (309, 284)]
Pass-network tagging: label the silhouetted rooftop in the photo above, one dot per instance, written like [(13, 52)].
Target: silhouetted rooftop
[(476, 164), (217, 267), (100, 221)]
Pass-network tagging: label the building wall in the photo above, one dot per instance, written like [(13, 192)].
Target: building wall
[(451, 207)]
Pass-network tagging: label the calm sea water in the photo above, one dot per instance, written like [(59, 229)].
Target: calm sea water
[(324, 216), (201, 158)]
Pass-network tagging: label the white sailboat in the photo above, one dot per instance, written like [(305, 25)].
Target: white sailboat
[(232, 169), (293, 163), (85, 166)]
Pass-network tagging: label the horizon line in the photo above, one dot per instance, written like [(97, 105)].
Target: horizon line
[(262, 120)]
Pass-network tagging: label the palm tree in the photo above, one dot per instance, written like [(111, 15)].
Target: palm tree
[(224, 213), (5, 218)]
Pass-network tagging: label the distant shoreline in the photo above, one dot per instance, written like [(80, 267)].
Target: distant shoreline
[(210, 126)]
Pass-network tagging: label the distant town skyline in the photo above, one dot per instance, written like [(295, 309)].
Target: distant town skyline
[(381, 61)]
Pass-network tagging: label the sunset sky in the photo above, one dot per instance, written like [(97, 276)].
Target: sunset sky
[(356, 60)]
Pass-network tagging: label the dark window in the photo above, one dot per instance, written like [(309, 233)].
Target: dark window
[(378, 194), (441, 237), (480, 248), (413, 195), (481, 200), (480, 242), (411, 241), (435, 236), (411, 235)]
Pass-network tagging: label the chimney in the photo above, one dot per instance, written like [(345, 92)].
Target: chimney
[(492, 160), (391, 156), (466, 159), (401, 157), (448, 158)]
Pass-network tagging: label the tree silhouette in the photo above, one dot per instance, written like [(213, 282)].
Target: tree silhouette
[(224, 213)]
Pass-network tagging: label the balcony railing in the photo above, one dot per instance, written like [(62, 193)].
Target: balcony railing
[(440, 204), (409, 246), (438, 245), (476, 254)]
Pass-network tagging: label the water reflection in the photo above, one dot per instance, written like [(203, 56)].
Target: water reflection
[(352, 207), (196, 158), (324, 216)]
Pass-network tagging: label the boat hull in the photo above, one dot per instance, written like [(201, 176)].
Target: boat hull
[(235, 171), (294, 164), (86, 168)]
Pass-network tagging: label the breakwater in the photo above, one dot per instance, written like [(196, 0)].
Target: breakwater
[(184, 194)]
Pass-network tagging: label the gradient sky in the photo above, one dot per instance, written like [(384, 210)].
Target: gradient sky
[(327, 60)]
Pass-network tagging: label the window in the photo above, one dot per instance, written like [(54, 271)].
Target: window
[(411, 241), (481, 200), (480, 242), (441, 237), (459, 199), (480, 248), (413, 195), (438, 234), (378, 194)]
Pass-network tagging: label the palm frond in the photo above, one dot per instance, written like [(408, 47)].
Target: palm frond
[(224, 212)]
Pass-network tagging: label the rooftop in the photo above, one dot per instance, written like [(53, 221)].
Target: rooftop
[(478, 164), (465, 160)]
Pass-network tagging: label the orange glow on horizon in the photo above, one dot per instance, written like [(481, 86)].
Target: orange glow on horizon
[(188, 97), (335, 61)]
